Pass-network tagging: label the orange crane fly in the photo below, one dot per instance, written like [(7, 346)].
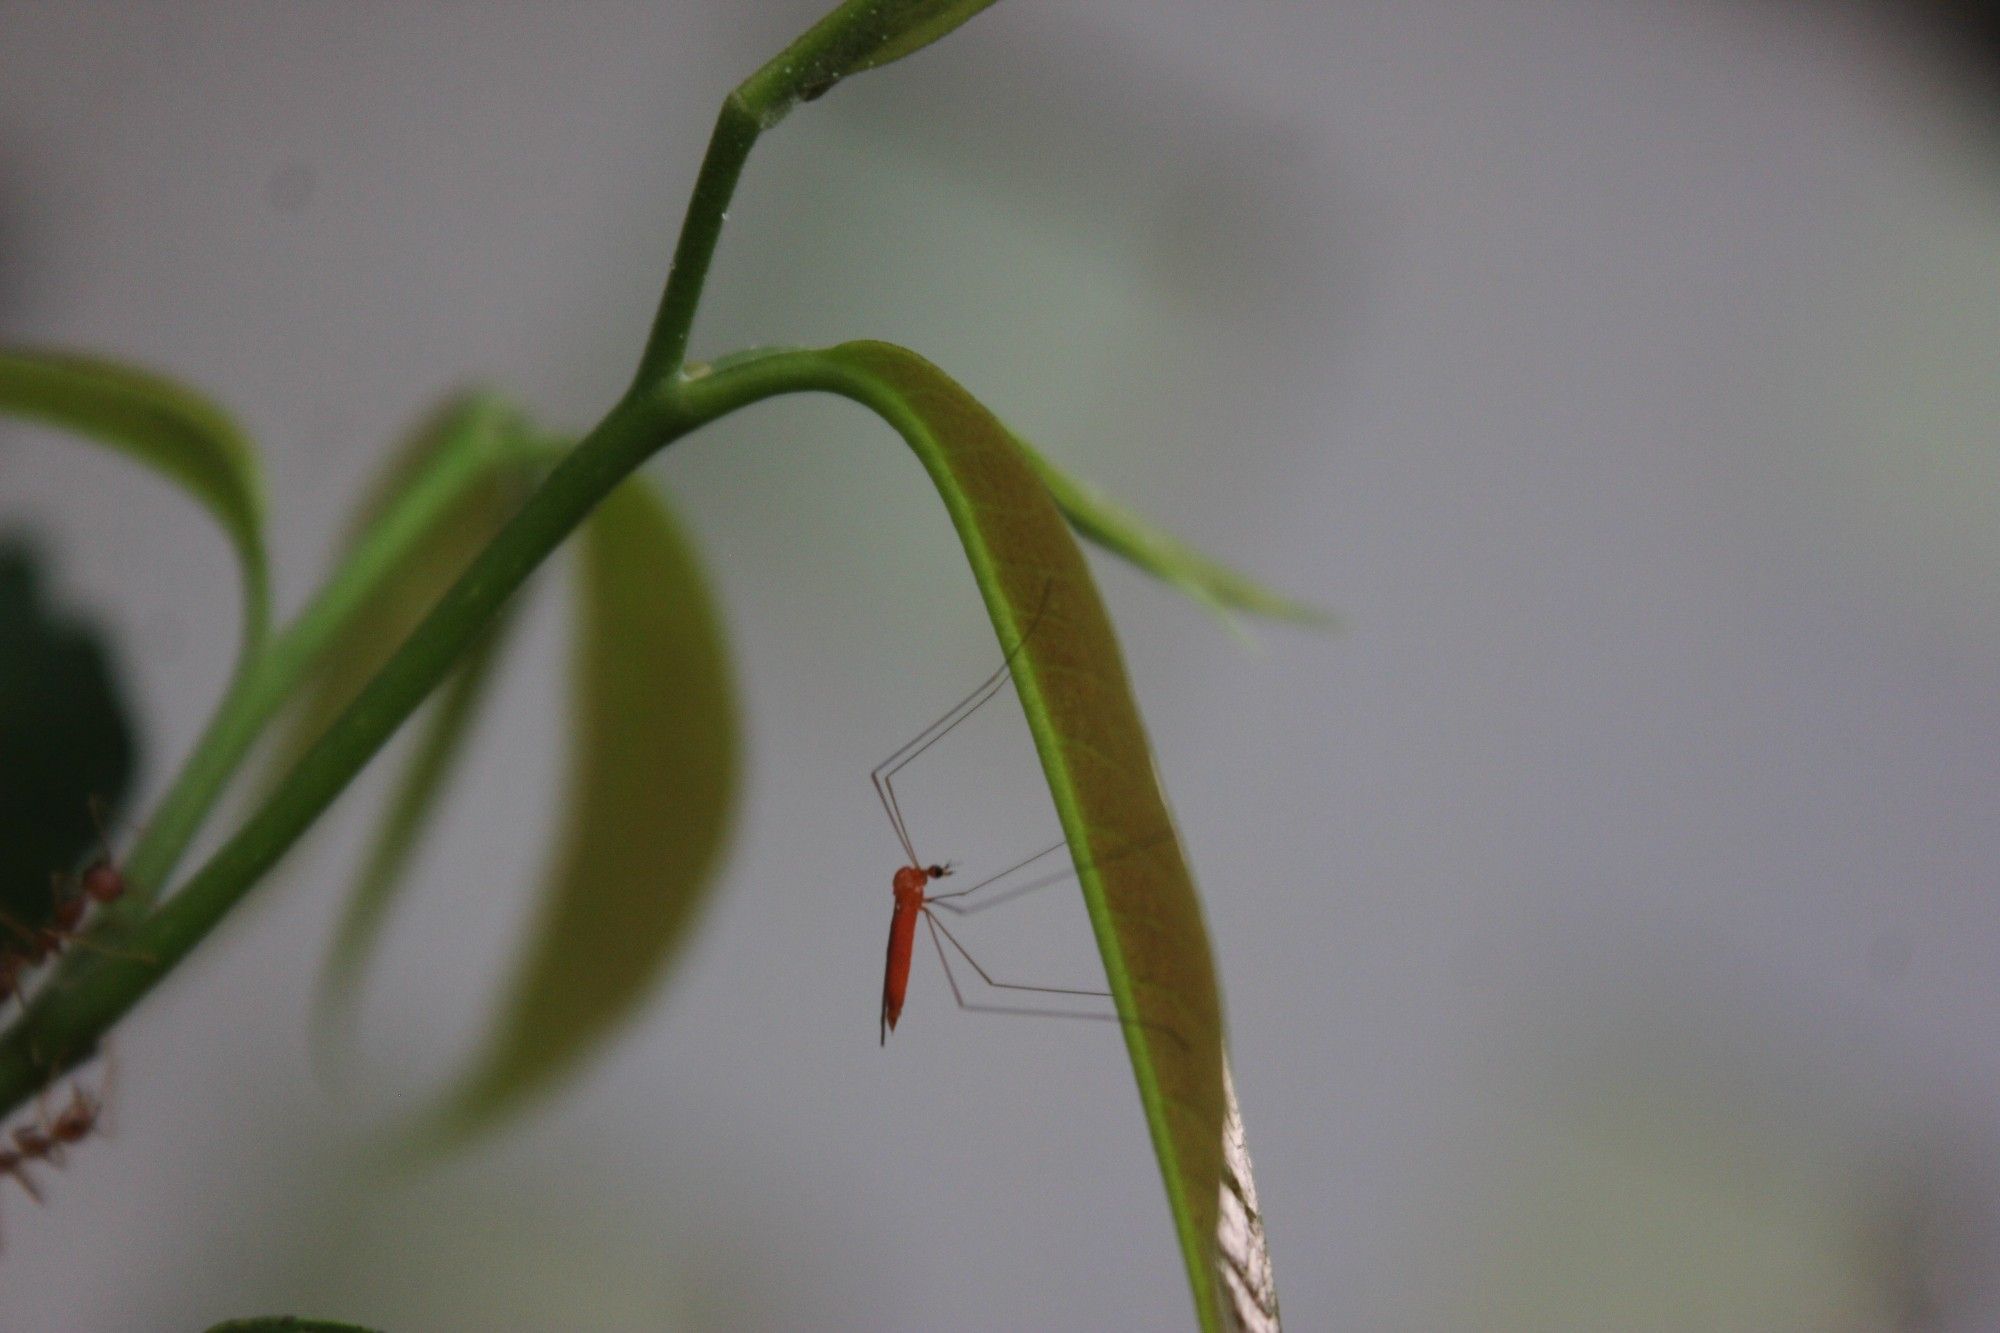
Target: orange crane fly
[(911, 884)]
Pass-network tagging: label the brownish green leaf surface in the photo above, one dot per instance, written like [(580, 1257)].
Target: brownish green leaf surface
[(653, 787), (1071, 677), (165, 425)]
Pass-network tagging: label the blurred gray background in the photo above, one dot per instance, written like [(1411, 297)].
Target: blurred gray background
[(1607, 918)]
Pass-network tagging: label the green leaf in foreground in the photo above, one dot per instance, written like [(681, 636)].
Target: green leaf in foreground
[(653, 785), (1161, 554), (1071, 678), (166, 425)]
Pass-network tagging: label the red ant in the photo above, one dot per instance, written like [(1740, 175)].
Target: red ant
[(45, 1140), (101, 883)]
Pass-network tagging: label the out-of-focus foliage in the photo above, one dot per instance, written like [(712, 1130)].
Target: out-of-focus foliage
[(653, 783), (170, 427), (65, 738)]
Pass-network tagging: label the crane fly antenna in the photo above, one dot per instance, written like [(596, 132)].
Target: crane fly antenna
[(884, 773)]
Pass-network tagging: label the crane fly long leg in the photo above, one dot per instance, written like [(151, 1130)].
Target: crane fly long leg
[(987, 977), (1053, 877), (966, 1004), (884, 773), (940, 898)]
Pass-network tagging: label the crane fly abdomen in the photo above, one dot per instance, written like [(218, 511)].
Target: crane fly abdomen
[(909, 889), (896, 979)]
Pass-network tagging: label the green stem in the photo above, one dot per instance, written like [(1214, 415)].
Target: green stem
[(92, 990), (264, 683), (736, 130)]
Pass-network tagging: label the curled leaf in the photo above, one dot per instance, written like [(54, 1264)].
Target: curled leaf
[(653, 784), (1099, 764), (168, 426)]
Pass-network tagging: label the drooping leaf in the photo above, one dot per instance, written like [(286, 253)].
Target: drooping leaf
[(471, 424), (65, 740), (447, 725), (1161, 554), (653, 784), (166, 425), (1136, 886), (859, 35)]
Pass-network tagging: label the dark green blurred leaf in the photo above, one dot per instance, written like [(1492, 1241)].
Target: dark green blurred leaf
[(1161, 554), (1099, 765), (652, 788), (166, 425), (65, 739), (287, 1323)]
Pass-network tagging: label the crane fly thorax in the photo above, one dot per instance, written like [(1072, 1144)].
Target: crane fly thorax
[(909, 885)]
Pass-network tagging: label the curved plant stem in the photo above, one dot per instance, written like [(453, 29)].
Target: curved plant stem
[(92, 990), (729, 145), (263, 684)]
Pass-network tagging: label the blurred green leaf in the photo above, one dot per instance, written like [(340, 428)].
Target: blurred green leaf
[(1099, 764), (448, 722), (651, 793), (166, 425), (65, 739), (1161, 554), (287, 1323), (859, 35), (473, 422)]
